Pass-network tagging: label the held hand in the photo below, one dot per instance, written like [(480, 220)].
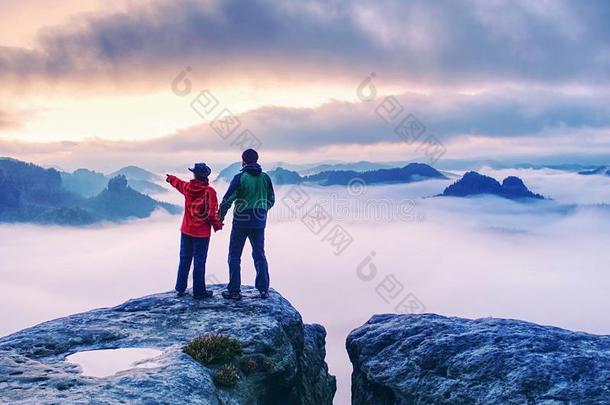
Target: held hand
[(167, 177)]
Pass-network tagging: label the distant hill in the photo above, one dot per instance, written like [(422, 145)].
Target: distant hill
[(136, 173), (304, 170), (410, 173), (462, 165), (30, 193), (119, 201), (278, 175), (601, 170), (361, 166), (89, 183), (473, 183), (566, 167), (282, 176), (146, 187), (228, 172), (84, 182)]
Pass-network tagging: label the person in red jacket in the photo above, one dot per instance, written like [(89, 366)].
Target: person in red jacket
[(200, 215)]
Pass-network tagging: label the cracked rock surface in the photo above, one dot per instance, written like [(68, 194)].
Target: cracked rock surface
[(33, 367), (431, 359)]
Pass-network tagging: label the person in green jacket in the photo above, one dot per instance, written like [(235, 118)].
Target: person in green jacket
[(252, 192)]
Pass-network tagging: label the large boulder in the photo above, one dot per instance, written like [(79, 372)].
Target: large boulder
[(431, 359), (33, 367)]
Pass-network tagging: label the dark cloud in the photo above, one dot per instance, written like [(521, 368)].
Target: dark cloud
[(553, 117), (442, 41), (503, 113)]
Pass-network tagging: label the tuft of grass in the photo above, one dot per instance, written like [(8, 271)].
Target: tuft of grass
[(255, 364), (226, 376), (213, 349)]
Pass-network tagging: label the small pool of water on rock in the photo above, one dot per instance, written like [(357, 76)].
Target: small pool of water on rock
[(108, 362)]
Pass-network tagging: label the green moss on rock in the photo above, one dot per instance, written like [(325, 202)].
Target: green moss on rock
[(213, 349)]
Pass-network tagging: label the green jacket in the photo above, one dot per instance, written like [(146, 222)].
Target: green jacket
[(252, 192)]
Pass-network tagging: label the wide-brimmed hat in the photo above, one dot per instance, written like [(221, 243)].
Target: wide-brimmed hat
[(201, 168)]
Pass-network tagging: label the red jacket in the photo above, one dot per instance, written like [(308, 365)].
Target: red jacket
[(200, 207)]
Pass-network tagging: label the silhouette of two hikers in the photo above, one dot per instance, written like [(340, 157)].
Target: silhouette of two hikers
[(251, 190)]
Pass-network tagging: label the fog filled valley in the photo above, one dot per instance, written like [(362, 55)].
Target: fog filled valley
[(421, 188), (542, 261)]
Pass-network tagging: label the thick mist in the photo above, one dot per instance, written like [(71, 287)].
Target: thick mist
[(544, 262)]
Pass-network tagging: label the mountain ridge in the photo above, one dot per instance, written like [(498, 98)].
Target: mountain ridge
[(473, 183), (32, 194), (89, 183), (406, 174)]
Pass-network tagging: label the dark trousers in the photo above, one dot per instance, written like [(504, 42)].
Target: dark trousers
[(236, 247), (192, 248)]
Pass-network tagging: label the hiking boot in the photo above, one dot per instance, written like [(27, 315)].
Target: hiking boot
[(231, 296), (264, 294), (180, 294), (206, 294)]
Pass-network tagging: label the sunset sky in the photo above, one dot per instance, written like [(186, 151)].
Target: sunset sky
[(89, 83)]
